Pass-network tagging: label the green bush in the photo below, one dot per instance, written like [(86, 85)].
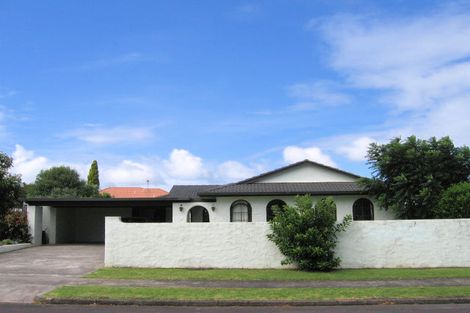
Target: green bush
[(307, 235), (15, 227), (7, 242), (454, 202)]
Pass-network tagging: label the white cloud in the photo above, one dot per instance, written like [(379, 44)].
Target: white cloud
[(294, 154), (322, 92), (316, 94), (128, 173), (6, 92), (420, 61), (356, 149), (235, 171), (182, 164), (419, 66), (110, 135), (27, 164), (181, 167)]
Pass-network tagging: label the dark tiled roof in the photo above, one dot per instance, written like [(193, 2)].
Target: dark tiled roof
[(187, 192), (255, 178), (321, 188)]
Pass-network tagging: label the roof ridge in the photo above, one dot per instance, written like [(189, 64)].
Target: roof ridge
[(306, 161)]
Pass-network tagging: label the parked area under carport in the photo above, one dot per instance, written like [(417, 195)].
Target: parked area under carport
[(27, 273), (63, 221)]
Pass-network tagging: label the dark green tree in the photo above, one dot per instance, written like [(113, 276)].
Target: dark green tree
[(409, 175), (307, 235), (94, 175), (454, 202), (61, 182), (10, 186)]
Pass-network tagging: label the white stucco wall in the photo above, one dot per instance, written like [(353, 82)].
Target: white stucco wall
[(406, 243), (395, 243), (307, 173), (221, 213), (192, 245), (34, 214)]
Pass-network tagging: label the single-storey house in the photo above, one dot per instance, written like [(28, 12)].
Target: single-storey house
[(251, 200), (225, 226)]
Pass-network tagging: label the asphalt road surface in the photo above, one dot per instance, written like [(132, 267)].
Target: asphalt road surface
[(415, 308)]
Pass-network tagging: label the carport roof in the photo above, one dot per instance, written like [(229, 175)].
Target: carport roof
[(99, 202)]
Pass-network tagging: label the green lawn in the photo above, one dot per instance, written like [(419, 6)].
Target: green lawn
[(286, 294), (277, 274)]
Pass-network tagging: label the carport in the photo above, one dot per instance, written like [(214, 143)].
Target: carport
[(60, 221)]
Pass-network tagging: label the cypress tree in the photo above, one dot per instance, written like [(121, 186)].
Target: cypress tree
[(94, 175)]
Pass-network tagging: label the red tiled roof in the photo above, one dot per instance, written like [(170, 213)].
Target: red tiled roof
[(134, 192)]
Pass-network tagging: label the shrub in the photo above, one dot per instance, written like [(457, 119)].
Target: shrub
[(7, 242), (15, 227), (307, 235), (454, 202)]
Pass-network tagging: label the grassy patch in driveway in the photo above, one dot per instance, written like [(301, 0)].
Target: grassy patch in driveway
[(277, 274), (254, 294)]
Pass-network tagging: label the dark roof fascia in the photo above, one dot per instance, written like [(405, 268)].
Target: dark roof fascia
[(316, 193), (254, 178), (90, 202), (203, 199)]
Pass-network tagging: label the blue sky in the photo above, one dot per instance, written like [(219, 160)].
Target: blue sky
[(216, 91)]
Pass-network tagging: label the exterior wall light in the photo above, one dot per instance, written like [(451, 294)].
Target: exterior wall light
[(213, 208), (181, 207)]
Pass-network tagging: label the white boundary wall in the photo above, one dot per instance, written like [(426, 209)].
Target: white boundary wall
[(393, 243), (196, 245), (406, 243)]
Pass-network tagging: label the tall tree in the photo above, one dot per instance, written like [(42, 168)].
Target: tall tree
[(409, 175), (61, 182), (94, 175), (10, 186)]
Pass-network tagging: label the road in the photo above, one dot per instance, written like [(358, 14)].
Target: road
[(416, 308)]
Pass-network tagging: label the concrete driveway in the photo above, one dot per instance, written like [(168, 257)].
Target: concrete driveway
[(26, 273)]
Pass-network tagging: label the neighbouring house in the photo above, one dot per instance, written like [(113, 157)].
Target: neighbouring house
[(226, 225), (134, 192)]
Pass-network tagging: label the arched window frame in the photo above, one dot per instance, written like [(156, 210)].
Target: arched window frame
[(269, 210), (360, 204), (237, 202), (205, 213)]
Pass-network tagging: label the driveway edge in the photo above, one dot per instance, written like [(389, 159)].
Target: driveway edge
[(456, 300), (14, 247)]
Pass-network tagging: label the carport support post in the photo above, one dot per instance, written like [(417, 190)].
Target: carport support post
[(35, 223)]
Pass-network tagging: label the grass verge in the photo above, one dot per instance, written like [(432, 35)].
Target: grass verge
[(255, 294), (277, 274)]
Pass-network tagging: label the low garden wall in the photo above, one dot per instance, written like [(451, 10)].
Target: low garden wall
[(392, 243)]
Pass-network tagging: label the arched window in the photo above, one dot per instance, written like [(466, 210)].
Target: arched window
[(240, 211), (363, 210), (198, 214), (269, 208)]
